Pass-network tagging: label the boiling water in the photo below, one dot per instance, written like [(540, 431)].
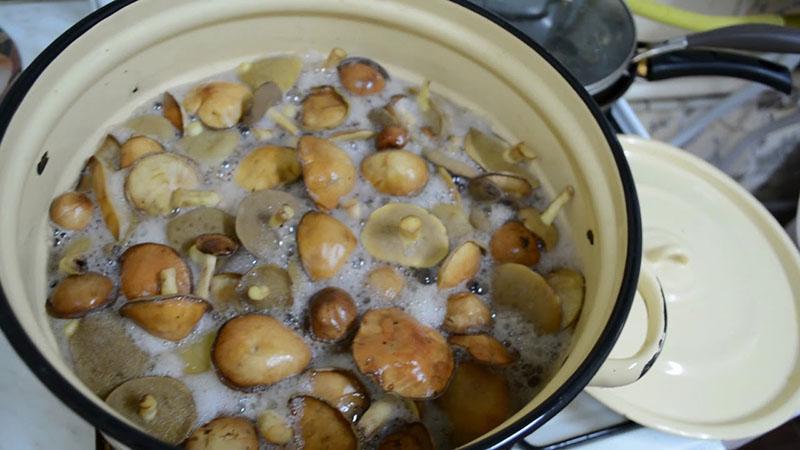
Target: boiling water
[(421, 298)]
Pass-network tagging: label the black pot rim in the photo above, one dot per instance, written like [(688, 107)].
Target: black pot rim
[(134, 438)]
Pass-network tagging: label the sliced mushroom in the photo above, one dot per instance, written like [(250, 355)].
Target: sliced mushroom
[(274, 428), (513, 243), (197, 355), (332, 314), (223, 290), (141, 266), (484, 349), (491, 154), (266, 286), (324, 245), (569, 286), (171, 410), (391, 137), (210, 147), (452, 187), (219, 104), (153, 126), (264, 97), (414, 436), (395, 172), (362, 76), (454, 219), (73, 261), (184, 229), (281, 70), (518, 287), (476, 401), (259, 214), (541, 224), (267, 167), (136, 148), (323, 109), (402, 355), (342, 390), (385, 240), (386, 282), (328, 172), (71, 210), (171, 318), (108, 153), (224, 433), (206, 249), (466, 313), (115, 217), (153, 179), (77, 295), (351, 135), (461, 265), (256, 350), (172, 112), (320, 426), (441, 158), (104, 355), (492, 187)]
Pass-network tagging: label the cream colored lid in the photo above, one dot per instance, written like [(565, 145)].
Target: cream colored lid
[(730, 366)]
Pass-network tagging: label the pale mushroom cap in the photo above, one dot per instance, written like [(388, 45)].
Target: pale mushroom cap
[(253, 219), (324, 245), (518, 287), (281, 70), (322, 426), (267, 167), (466, 312), (224, 433), (342, 390), (395, 172), (382, 238), (153, 179), (136, 148), (461, 265), (218, 104)]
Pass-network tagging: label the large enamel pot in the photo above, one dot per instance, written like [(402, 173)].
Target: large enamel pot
[(101, 69)]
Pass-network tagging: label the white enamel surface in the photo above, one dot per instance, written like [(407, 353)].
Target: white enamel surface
[(729, 368)]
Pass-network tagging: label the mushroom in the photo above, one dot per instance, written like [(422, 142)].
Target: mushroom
[(172, 112), (461, 265), (274, 428), (334, 58), (387, 237), (484, 349), (323, 108), (395, 172), (77, 295), (387, 409), (328, 172), (518, 287), (136, 148), (362, 76), (224, 433), (391, 137), (385, 282), (223, 288), (493, 155), (73, 261), (542, 224), (513, 243), (324, 244), (342, 390), (210, 147), (264, 97), (153, 179), (283, 120), (256, 350), (320, 426), (569, 286), (71, 210), (108, 153), (332, 314), (454, 219), (184, 229), (453, 165), (413, 436), (162, 406), (281, 70), (266, 286), (402, 355), (197, 355), (351, 135), (153, 126), (218, 104), (479, 218), (476, 401), (170, 317), (406, 111), (466, 313), (190, 198), (141, 266), (493, 187), (267, 167), (206, 249), (452, 187), (258, 216), (114, 216), (104, 355)]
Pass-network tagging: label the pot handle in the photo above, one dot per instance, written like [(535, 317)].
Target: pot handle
[(621, 371)]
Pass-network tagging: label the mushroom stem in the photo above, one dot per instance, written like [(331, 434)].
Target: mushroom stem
[(424, 96), (353, 208), (71, 327), (208, 264), (258, 293), (284, 213), (549, 214), (194, 128), (519, 152), (410, 227), (282, 121), (148, 408), (169, 282), (335, 57), (186, 198)]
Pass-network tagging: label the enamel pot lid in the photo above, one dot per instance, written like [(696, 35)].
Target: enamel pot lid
[(730, 365)]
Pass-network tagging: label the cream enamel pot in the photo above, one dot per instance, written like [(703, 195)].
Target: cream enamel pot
[(104, 67)]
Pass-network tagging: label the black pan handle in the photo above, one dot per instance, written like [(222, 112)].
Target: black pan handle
[(684, 63), (751, 37)]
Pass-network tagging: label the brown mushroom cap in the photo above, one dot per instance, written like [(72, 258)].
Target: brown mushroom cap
[(328, 172), (332, 313), (484, 349), (210, 147), (392, 136), (256, 350), (267, 167), (513, 243), (223, 290), (342, 390), (362, 76), (137, 147), (401, 354), (141, 266), (153, 126), (153, 178), (77, 295), (171, 318), (382, 237), (71, 210), (218, 104), (413, 436), (489, 152), (569, 286), (216, 244), (321, 426), (465, 313), (324, 244), (461, 265), (395, 172), (184, 229), (518, 287), (172, 112), (385, 282), (224, 433), (281, 70), (113, 216), (323, 108)]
